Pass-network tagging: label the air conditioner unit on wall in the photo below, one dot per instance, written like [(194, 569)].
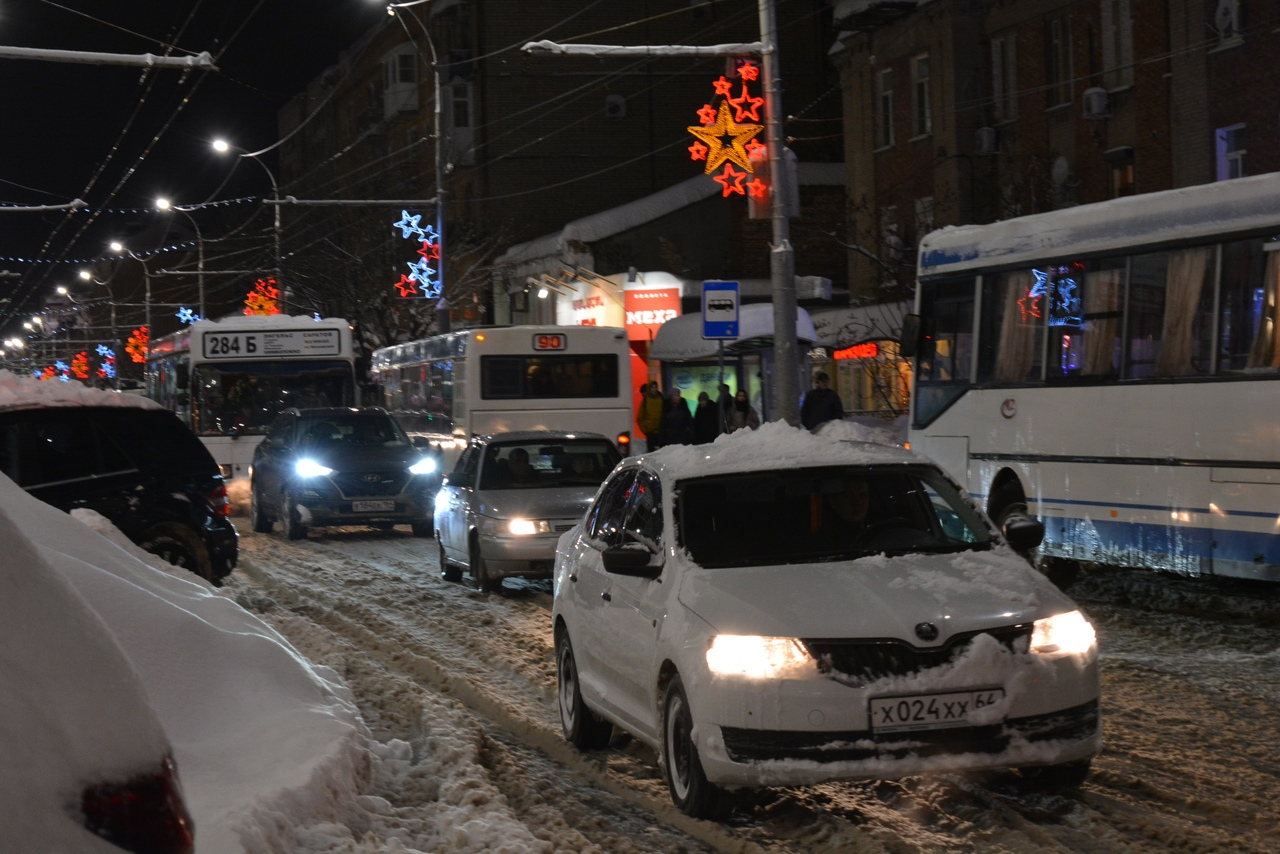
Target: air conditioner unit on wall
[(986, 141), (1096, 103)]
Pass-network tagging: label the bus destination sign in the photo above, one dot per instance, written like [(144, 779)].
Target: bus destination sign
[(275, 344)]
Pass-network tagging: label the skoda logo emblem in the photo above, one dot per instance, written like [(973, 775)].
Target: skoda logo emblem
[(926, 631)]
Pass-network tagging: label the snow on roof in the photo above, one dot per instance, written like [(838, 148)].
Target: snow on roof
[(681, 338), (23, 392), (1242, 204)]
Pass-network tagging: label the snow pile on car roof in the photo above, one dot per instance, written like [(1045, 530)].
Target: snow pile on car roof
[(22, 392)]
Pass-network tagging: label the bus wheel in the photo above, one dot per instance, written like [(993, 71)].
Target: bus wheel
[(1007, 501), (258, 517)]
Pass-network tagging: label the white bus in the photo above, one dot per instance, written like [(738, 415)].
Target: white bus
[(1113, 369), (227, 379), (498, 379)]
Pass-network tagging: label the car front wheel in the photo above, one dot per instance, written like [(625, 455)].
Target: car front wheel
[(582, 727), (448, 571), (479, 573), (291, 520), (690, 789), (258, 516)]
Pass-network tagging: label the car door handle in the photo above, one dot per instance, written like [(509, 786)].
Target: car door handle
[(607, 596)]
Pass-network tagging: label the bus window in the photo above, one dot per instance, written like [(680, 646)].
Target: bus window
[(1169, 303), (1249, 310)]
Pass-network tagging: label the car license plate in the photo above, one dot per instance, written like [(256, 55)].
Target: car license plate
[(373, 506), (929, 711)]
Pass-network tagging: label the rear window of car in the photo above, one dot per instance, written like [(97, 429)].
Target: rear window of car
[(155, 440), (823, 514)]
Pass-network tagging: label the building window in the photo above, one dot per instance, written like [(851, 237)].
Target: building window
[(401, 69), (923, 116), (1004, 77), (1058, 57), (1230, 146), (1117, 43), (460, 105), (1226, 20), (884, 109), (1120, 163)]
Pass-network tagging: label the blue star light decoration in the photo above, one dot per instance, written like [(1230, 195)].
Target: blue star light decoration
[(187, 316), (108, 370), (421, 271), (1063, 292)]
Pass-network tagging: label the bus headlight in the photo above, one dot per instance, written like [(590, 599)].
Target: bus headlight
[(1067, 633), (311, 468), (756, 657), (426, 465)]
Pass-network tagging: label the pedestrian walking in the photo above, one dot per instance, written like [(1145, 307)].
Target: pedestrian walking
[(706, 420), (821, 404), (677, 420), (649, 415), (741, 414)]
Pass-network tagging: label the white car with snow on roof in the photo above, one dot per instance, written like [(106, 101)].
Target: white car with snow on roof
[(779, 608)]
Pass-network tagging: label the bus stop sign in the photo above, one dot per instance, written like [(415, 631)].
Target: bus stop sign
[(719, 309)]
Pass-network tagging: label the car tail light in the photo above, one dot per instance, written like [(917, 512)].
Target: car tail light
[(624, 443), (145, 814), (219, 501)]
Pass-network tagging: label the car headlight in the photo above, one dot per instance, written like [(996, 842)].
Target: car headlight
[(311, 468), (426, 465), (756, 657), (1064, 633), (525, 527)]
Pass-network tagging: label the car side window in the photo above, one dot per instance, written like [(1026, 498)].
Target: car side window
[(58, 449), (644, 511), (604, 522)]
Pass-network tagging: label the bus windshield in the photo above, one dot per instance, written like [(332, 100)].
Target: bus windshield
[(244, 397)]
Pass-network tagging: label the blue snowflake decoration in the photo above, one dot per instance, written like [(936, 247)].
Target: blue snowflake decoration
[(106, 352), (61, 366), (37, 373), (408, 225), (187, 316), (1063, 292), (108, 370)]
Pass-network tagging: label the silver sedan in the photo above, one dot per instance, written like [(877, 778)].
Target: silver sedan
[(510, 497)]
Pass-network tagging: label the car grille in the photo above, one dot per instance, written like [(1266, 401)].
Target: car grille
[(359, 484), (749, 745), (857, 662)]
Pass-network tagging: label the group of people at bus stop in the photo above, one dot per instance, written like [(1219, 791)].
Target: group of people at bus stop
[(667, 420)]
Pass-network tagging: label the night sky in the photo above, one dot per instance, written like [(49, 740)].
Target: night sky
[(119, 137)]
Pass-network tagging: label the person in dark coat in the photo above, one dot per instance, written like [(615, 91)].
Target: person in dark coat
[(742, 414), (677, 421), (706, 420), (821, 404)]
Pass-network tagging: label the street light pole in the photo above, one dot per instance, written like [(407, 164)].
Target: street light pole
[(166, 205), (222, 146)]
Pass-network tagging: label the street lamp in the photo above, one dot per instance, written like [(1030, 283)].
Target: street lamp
[(165, 205), (222, 147), (117, 246)]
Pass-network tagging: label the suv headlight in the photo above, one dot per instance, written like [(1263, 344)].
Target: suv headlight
[(311, 468), (756, 657), (1068, 633), (426, 465)]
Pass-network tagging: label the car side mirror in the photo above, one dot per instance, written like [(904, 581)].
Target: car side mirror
[(1023, 533), (630, 560), (460, 478)]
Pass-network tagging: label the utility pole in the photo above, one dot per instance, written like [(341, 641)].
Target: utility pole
[(785, 393)]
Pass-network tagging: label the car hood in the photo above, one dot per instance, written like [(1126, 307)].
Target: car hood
[(567, 502), (370, 458), (875, 596)]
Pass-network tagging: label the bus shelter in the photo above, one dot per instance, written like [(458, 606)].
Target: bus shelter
[(695, 364)]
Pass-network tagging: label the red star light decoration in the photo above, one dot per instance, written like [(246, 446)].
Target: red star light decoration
[(725, 135), (408, 287), (263, 299)]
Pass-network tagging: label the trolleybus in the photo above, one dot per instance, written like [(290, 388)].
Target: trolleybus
[(503, 378), (229, 378), (1113, 369)]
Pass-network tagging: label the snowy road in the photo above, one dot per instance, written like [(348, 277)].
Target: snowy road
[(1191, 702)]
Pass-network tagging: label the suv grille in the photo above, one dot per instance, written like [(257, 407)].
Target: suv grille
[(858, 662), (358, 484)]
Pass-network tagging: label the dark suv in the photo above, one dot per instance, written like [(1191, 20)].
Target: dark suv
[(338, 466), (140, 467)]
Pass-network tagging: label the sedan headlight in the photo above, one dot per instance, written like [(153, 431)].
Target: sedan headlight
[(756, 657), (311, 468), (1064, 633), (426, 465), (526, 527)]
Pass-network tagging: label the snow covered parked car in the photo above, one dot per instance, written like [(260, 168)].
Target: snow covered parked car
[(779, 608)]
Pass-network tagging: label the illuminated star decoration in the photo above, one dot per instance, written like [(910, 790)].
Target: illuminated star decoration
[(1063, 294), (105, 351), (187, 316), (80, 365), (726, 135), (264, 299), (423, 279)]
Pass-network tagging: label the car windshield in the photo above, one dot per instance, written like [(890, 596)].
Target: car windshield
[(824, 514), (542, 464), (354, 430)]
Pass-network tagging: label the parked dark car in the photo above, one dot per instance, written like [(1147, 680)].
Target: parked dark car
[(138, 466), (339, 466)]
